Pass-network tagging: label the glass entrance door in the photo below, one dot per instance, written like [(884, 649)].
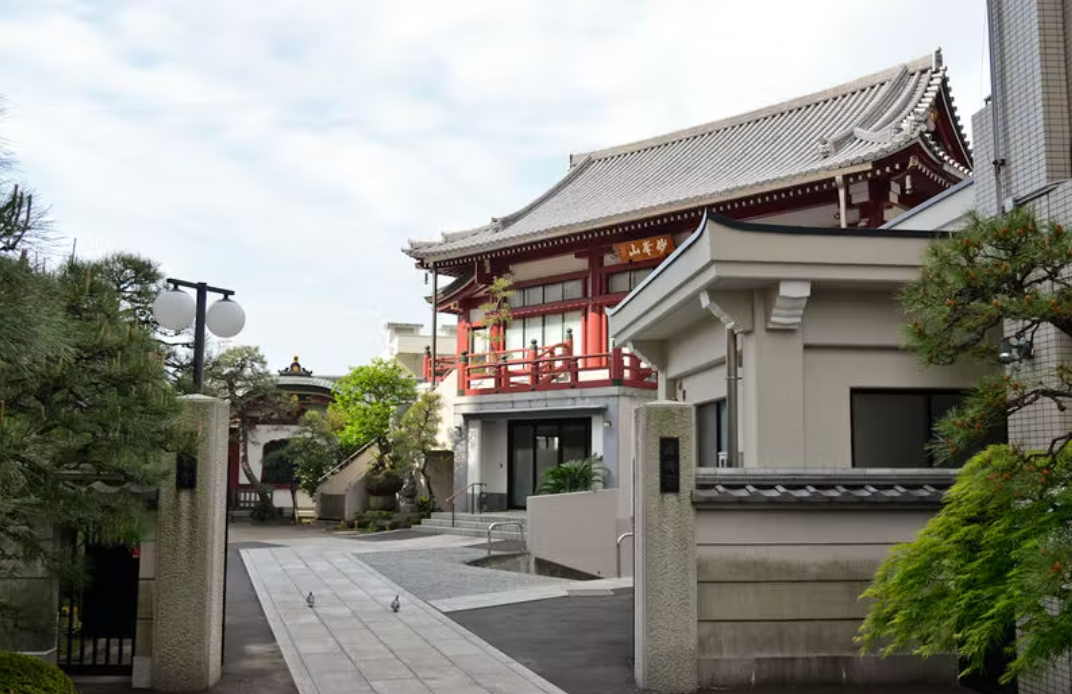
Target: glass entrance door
[(536, 446)]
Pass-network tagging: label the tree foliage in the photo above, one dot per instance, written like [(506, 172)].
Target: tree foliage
[(86, 411), (998, 553), (315, 448), (413, 434), (496, 310), (998, 271), (368, 398)]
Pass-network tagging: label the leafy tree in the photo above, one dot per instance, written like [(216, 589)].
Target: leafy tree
[(240, 375), (368, 398), (999, 553), (280, 464), (315, 448), (496, 310), (413, 434)]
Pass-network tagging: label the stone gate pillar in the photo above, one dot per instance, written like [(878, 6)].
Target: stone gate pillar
[(665, 646), (187, 642)]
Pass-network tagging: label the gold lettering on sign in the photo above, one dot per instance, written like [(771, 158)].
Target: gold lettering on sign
[(645, 249)]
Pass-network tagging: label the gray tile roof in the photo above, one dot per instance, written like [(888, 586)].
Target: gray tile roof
[(851, 124), (831, 488)]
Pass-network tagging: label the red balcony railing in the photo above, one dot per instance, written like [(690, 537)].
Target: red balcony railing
[(443, 366), (551, 368)]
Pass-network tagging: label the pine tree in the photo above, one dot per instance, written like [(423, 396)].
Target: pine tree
[(999, 553)]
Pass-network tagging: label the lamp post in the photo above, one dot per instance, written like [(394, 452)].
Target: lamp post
[(176, 310)]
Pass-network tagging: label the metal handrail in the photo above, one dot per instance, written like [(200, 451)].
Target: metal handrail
[(349, 459), (496, 524), (450, 499), (619, 551)]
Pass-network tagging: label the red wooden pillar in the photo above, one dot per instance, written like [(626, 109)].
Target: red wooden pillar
[(463, 336)]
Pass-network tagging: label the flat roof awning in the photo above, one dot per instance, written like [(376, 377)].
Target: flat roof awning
[(724, 255)]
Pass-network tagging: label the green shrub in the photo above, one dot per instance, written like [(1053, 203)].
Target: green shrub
[(265, 511), (426, 507), (574, 476), (23, 674)]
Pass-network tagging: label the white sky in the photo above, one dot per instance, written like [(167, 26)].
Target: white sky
[(287, 149)]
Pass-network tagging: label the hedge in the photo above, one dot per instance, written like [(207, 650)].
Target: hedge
[(23, 674)]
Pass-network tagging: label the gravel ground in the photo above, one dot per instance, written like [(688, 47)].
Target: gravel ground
[(442, 573)]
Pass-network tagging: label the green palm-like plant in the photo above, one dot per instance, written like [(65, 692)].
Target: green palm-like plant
[(574, 476)]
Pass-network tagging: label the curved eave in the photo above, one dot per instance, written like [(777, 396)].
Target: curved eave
[(726, 255)]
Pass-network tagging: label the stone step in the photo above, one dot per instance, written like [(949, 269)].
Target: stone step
[(469, 532), (466, 523), (484, 518)]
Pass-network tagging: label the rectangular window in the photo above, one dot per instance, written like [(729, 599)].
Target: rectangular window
[(627, 281), (891, 429), (712, 433), (552, 330), (552, 293), (534, 331), (572, 321), (515, 335), (574, 289), (534, 296)]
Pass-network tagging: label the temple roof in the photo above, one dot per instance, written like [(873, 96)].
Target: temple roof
[(803, 139), (823, 488)]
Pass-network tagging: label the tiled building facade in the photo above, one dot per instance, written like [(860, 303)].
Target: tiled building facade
[(1025, 135)]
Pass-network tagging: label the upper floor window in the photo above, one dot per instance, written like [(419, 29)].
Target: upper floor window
[(626, 281), (892, 428), (548, 293)]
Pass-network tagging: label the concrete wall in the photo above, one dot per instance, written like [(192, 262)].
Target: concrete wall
[(350, 480), (577, 530), (777, 596)]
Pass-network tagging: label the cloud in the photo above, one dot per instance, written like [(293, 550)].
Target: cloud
[(288, 149)]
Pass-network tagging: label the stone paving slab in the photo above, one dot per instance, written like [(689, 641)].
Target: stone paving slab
[(351, 641)]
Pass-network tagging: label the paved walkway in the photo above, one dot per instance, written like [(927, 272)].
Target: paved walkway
[(352, 642)]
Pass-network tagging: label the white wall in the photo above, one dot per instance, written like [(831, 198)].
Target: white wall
[(577, 530), (548, 267), (258, 436)]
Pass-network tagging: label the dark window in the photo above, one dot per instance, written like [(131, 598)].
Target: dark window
[(712, 426), (891, 429), (276, 466), (626, 281)]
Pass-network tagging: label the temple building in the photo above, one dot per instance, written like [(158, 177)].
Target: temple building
[(550, 385), (307, 392)]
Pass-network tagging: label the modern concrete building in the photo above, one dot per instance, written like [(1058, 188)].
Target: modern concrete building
[(553, 384), (412, 348)]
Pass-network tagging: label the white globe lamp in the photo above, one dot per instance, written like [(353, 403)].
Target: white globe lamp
[(174, 309), (225, 318)]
